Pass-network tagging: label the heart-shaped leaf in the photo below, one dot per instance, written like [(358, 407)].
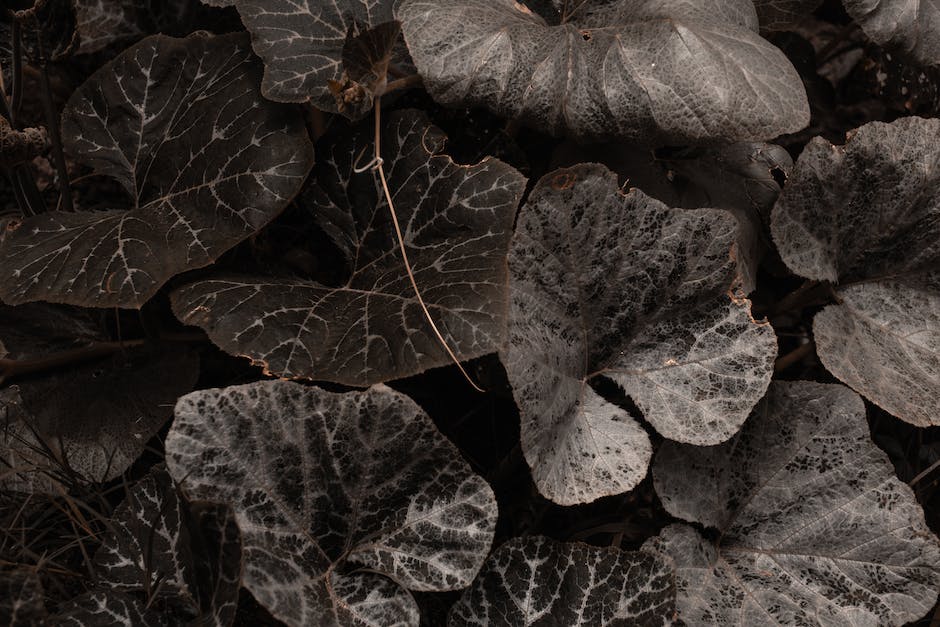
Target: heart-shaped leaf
[(302, 43), (621, 286), (206, 163), (667, 71), (813, 528), (456, 223), (538, 581), (867, 216), (910, 26), (321, 481)]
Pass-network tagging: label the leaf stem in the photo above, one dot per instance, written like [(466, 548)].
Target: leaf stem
[(401, 243)]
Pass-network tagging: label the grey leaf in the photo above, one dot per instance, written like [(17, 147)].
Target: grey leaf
[(620, 286), (775, 15), (205, 161), (813, 527), (456, 223), (94, 420), (301, 43), (538, 581), (867, 216), (910, 26), (321, 481), (650, 70)]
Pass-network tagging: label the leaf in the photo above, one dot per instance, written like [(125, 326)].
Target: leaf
[(812, 526), (107, 608), (456, 223), (101, 23), (538, 581), (366, 57), (206, 163), (219, 565), (867, 216), (910, 26), (781, 15), (648, 70), (21, 598), (302, 43), (94, 419), (620, 286), (322, 481)]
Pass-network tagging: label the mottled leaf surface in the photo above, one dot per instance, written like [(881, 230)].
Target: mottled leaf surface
[(911, 26), (866, 216), (621, 286), (538, 581), (205, 161), (22, 598), (301, 42), (652, 70), (813, 528), (320, 482), (456, 223)]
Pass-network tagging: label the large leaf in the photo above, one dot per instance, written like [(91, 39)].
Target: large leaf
[(322, 481), (784, 14), (538, 581), (867, 216), (654, 70), (94, 419), (812, 527), (101, 23), (206, 162), (911, 26), (456, 222), (302, 43), (605, 284)]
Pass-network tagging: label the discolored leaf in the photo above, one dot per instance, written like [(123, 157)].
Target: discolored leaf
[(456, 223), (538, 581), (322, 481), (94, 419), (366, 57), (205, 161), (650, 70), (621, 286), (867, 217), (302, 43), (812, 525), (21, 598), (910, 26)]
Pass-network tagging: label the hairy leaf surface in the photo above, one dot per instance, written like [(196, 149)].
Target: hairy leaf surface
[(538, 581), (813, 526), (321, 481), (205, 161), (621, 286), (912, 26), (456, 223), (867, 217), (653, 70)]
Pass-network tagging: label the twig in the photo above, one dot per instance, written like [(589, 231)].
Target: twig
[(794, 356)]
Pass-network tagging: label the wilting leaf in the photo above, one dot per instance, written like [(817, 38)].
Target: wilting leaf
[(21, 598), (911, 26), (456, 222), (101, 23), (321, 482), (666, 71), (738, 177), (301, 43), (538, 581), (812, 525), (206, 163), (107, 608), (621, 286), (94, 419), (366, 57), (867, 216), (783, 14)]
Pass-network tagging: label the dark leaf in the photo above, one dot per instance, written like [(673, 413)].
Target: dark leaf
[(321, 481), (909, 26), (456, 222), (867, 216), (107, 608), (813, 527), (206, 163), (621, 286), (366, 57), (538, 581), (218, 555), (22, 598), (650, 70), (101, 23)]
